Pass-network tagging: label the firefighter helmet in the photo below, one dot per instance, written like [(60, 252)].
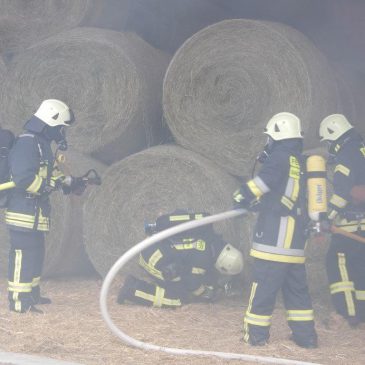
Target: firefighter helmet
[(333, 127), (284, 126), (229, 261), (54, 113)]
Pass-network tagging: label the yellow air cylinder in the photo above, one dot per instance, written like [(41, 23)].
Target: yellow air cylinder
[(316, 187)]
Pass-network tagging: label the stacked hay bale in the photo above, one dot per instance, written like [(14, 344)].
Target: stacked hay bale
[(226, 81), (111, 80), (155, 181), (23, 23)]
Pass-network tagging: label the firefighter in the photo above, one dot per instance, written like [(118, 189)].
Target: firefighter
[(279, 237), (183, 268), (345, 261), (34, 171)]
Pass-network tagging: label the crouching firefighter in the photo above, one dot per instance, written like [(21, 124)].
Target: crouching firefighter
[(184, 268), (345, 261), (279, 236), (35, 175)]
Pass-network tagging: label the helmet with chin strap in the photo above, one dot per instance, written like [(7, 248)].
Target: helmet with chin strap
[(229, 261), (333, 127), (284, 126), (54, 113)]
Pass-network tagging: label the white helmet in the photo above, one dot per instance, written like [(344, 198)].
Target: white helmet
[(229, 261), (333, 127), (284, 126), (54, 113)]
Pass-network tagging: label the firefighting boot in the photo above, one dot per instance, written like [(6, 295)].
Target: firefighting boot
[(307, 343), (127, 290)]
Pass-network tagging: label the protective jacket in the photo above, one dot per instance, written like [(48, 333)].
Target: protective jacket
[(277, 188), (35, 173), (345, 257), (349, 171), (188, 260)]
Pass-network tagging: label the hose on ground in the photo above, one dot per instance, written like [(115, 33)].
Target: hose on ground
[(127, 256)]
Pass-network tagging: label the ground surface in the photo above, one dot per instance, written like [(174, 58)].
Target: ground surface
[(72, 329)]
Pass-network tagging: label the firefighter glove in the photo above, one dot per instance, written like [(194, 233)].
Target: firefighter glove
[(78, 185)]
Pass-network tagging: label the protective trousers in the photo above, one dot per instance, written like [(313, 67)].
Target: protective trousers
[(167, 295), (345, 263), (268, 278), (26, 258)]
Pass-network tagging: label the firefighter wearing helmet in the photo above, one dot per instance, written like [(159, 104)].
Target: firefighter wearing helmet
[(35, 173), (191, 266), (345, 257), (279, 239)]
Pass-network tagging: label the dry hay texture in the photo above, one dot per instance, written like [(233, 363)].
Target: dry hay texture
[(139, 188), (226, 81), (23, 23), (111, 80)]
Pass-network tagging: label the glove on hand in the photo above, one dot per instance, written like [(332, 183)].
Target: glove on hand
[(325, 226)]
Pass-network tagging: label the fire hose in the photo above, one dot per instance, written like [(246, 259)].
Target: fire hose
[(127, 256)]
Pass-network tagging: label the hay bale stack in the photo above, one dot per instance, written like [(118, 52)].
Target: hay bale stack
[(139, 188), (65, 254), (226, 81), (23, 23), (165, 24), (112, 81)]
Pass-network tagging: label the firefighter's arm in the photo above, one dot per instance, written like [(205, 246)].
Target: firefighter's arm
[(342, 184), (25, 164)]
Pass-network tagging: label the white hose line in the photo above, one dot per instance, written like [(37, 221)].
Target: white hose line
[(148, 346)]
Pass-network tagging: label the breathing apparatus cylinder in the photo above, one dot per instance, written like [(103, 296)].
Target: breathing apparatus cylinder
[(316, 187)]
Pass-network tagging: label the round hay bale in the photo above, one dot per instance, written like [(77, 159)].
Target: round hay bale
[(65, 254), (226, 81), (166, 24), (143, 186), (23, 23), (111, 80)]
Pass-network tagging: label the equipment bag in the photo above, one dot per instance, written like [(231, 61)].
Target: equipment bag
[(7, 139)]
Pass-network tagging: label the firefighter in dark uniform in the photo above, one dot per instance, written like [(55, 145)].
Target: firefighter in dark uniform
[(184, 267), (34, 171), (279, 238), (345, 261)]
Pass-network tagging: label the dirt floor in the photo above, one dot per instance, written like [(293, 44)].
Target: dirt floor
[(72, 329)]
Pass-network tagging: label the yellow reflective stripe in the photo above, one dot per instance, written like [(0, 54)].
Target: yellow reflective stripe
[(287, 202), (197, 245), (332, 214), (257, 319), (360, 294), (18, 265), (294, 170), (345, 277), (175, 218), (300, 315), (199, 291), (35, 185), (337, 201), (198, 270), (160, 292), (277, 258), (246, 335), (151, 298), (36, 281), (155, 258), (343, 169), (341, 286), (255, 189), (153, 271), (20, 287), (289, 232)]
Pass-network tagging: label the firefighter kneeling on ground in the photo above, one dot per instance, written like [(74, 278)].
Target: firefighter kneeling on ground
[(345, 261), (185, 268), (35, 173), (279, 237)]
